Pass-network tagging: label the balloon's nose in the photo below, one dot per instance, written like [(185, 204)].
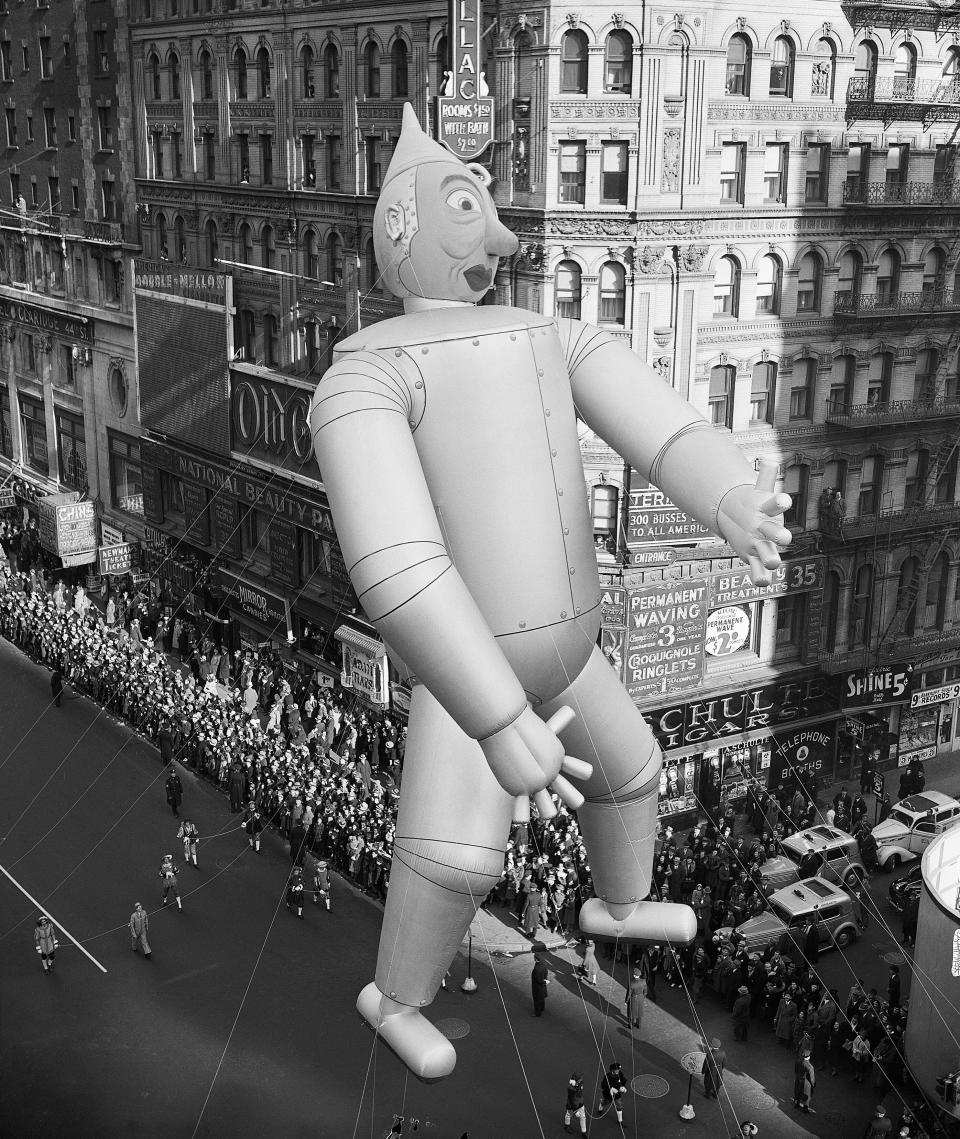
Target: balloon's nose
[(499, 239)]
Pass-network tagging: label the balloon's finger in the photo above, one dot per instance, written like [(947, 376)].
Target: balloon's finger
[(560, 719), (521, 809), (772, 531), (768, 554), (767, 475), (578, 768), (567, 792), (759, 574), (778, 504), (546, 807)]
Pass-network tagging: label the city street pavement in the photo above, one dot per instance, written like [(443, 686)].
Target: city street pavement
[(243, 1023)]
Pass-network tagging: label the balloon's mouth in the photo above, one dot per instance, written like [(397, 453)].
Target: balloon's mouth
[(477, 277)]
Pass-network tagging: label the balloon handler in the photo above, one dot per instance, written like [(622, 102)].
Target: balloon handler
[(447, 441)]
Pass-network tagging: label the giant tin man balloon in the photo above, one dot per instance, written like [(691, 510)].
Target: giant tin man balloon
[(447, 442)]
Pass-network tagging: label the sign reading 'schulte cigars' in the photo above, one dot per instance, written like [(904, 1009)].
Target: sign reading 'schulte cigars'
[(464, 107)]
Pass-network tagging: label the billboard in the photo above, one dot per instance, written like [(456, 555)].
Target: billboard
[(464, 107), (182, 332), (666, 632), (68, 528)]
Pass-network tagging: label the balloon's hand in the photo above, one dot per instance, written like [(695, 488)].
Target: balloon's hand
[(526, 757), (751, 520)]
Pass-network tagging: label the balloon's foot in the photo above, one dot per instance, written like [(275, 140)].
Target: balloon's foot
[(687, 1112), (419, 1044), (656, 922)]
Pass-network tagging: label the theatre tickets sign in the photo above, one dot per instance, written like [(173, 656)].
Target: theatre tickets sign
[(464, 106)]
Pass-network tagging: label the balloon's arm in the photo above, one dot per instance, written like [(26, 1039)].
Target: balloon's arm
[(362, 421)]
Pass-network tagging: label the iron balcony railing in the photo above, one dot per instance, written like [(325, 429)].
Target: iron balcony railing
[(907, 518), (891, 411), (937, 14), (916, 646), (896, 89), (944, 191), (933, 301)]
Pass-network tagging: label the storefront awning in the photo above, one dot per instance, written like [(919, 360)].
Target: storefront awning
[(360, 640)]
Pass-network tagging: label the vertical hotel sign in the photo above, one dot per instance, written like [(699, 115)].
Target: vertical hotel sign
[(464, 108)]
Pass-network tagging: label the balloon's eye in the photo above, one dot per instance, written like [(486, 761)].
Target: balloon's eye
[(463, 201)]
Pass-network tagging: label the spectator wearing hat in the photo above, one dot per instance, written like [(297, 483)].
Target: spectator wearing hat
[(741, 1014), (880, 1126), (804, 1081), (139, 925), (714, 1062), (45, 942), (636, 998)]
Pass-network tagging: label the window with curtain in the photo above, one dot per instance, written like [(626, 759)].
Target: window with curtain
[(769, 285), (865, 67), (733, 160), (763, 392), (918, 471), (721, 395), (573, 63), (880, 379), (781, 67), (263, 73), (849, 276), (573, 173), (802, 389), (72, 449), (726, 288), (795, 484), (331, 71), (871, 486), (612, 293), (817, 177), (842, 378), (618, 63), (739, 55), (925, 375), (613, 173), (400, 68), (888, 277), (809, 283), (306, 71), (904, 71), (775, 166), (567, 290)]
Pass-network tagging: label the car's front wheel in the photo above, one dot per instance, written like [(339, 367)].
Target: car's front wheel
[(892, 863), (844, 938)]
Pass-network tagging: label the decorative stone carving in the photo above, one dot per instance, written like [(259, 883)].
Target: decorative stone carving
[(589, 227), (531, 256), (784, 26), (618, 19), (678, 20), (721, 111), (741, 23), (650, 260), (573, 19), (671, 227), (692, 257), (662, 366), (662, 337), (594, 109), (670, 172)]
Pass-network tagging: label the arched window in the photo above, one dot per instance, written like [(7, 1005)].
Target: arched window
[(153, 65), (831, 611), (935, 594), (245, 243), (763, 392), (842, 378), (164, 249), (618, 63), (904, 71), (795, 484), (263, 73), (335, 259), (906, 593), (613, 293), (213, 243), (739, 57), (864, 70), (933, 269), (180, 230), (824, 68), (331, 71), (918, 471), (849, 278), (174, 67), (567, 292), (271, 340), (443, 62), (809, 283), (240, 62), (871, 486), (268, 247), (781, 67), (835, 476), (399, 66), (726, 288), (888, 278), (206, 74), (803, 388), (951, 63), (311, 254), (573, 63), (306, 68), (604, 507), (769, 285), (371, 59), (880, 379), (720, 398)]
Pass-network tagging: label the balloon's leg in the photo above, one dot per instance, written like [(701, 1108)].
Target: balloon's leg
[(618, 821), (452, 829)]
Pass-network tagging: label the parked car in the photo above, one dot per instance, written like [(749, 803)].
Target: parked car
[(912, 825), (791, 908), (821, 850), (906, 886)]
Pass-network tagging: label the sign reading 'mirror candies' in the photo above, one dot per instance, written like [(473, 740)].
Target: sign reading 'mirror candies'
[(464, 109)]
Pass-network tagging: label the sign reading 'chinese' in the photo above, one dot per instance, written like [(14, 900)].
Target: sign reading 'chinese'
[(464, 108)]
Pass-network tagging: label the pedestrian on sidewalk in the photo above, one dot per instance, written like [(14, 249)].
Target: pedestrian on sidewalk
[(539, 979), (804, 1081), (741, 1014), (45, 942), (613, 1087), (139, 924), (295, 892), (576, 1108), (636, 998), (860, 1051), (168, 879), (190, 836), (531, 911), (714, 1062), (174, 790), (56, 685), (880, 1126)]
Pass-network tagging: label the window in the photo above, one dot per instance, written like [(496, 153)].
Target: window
[(862, 609), (830, 614), (904, 71), (835, 476), (864, 70), (880, 379), (567, 295), (769, 285), (180, 236), (944, 164), (618, 63), (311, 340), (802, 389), (243, 148), (824, 69), (371, 269), (331, 68), (763, 392), (71, 126), (842, 377), (795, 480), (171, 495), (53, 197), (240, 62), (604, 509), (212, 242), (792, 621), (871, 483), (108, 200), (726, 288), (25, 58), (371, 60), (781, 67), (255, 533), (613, 173), (371, 165), (50, 126), (333, 162), (818, 173), (933, 273), (6, 430), (245, 335), (809, 282), (849, 277), (67, 375), (263, 73), (573, 63), (67, 53), (72, 449), (722, 381), (100, 47), (946, 489), (739, 56), (30, 126), (335, 259), (174, 76), (573, 172), (612, 293), (898, 158), (266, 159), (209, 157), (775, 172), (309, 161), (6, 67), (888, 277), (399, 66), (206, 75), (11, 118), (858, 169), (733, 158), (153, 66), (176, 149), (105, 127), (33, 432), (267, 247), (245, 243), (918, 470), (271, 340), (46, 58)]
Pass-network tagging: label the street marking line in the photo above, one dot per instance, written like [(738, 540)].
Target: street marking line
[(63, 929), (192, 973)]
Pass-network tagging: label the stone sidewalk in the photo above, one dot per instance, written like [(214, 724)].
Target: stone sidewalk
[(497, 933)]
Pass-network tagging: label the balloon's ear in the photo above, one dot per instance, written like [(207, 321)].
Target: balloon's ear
[(394, 222)]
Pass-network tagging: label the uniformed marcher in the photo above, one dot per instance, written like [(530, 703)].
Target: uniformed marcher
[(45, 941), (168, 878), (254, 827), (190, 836), (613, 1087), (575, 1108), (174, 790), (295, 892), (321, 883)]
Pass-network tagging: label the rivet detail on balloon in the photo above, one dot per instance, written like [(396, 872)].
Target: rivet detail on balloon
[(554, 453), (397, 352), (563, 612), (476, 343), (418, 384), (547, 412), (523, 624), (572, 569), (424, 351)]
